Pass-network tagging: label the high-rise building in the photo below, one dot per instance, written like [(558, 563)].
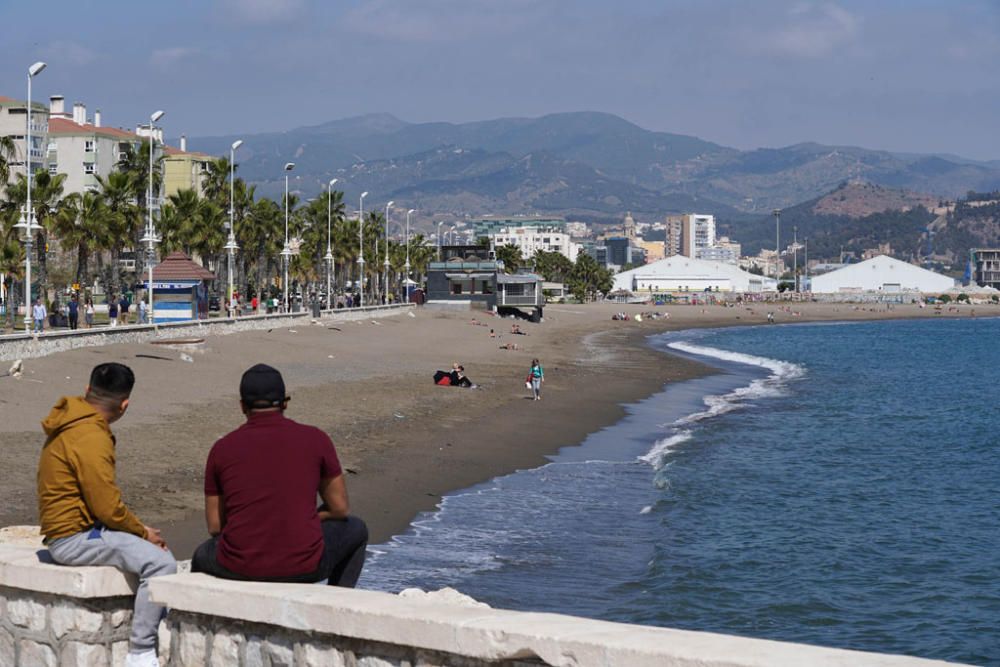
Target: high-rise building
[(986, 263)]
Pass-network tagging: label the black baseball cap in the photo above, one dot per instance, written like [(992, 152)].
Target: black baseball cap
[(262, 387)]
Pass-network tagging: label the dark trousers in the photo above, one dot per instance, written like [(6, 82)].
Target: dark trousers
[(344, 541), (74, 319)]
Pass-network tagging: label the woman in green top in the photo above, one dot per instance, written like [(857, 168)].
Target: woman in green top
[(536, 376)]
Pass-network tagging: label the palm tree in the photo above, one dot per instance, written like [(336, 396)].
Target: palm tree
[(8, 150), (82, 225), (122, 221), (47, 202), (11, 257), (135, 164)]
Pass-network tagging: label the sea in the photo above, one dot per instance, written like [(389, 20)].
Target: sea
[(833, 484)]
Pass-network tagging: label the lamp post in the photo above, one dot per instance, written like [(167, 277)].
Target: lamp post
[(231, 243), (361, 246), (27, 221), (151, 239), (406, 286), (286, 252), (329, 246), (451, 237), (385, 279), (777, 242), (439, 239), (795, 256)]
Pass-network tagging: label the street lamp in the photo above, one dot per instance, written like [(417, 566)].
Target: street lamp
[(795, 256), (361, 246), (777, 241), (151, 239), (286, 252), (231, 243), (406, 286), (27, 221), (385, 280), (439, 239), (451, 237), (329, 247)]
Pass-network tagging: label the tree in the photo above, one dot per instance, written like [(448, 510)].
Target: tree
[(122, 222), (589, 279), (511, 257), (553, 266), (8, 150)]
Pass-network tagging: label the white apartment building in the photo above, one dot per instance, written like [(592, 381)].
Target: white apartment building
[(82, 148), (14, 124), (532, 239), (699, 233), (724, 250)]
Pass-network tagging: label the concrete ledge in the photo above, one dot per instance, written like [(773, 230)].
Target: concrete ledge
[(30, 568), (24, 346), (481, 634)]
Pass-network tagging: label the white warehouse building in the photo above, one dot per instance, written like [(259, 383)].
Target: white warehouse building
[(880, 274), (687, 274)]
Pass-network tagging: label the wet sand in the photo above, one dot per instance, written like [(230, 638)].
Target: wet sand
[(403, 441)]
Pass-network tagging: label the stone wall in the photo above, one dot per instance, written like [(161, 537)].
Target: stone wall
[(23, 346), (46, 629)]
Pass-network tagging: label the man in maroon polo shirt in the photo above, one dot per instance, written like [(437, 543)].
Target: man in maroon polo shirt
[(261, 483)]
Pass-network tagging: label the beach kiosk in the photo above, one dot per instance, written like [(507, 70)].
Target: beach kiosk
[(180, 289)]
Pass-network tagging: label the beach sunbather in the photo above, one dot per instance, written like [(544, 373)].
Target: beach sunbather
[(261, 482)]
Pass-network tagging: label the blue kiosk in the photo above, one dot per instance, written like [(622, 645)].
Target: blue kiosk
[(180, 289)]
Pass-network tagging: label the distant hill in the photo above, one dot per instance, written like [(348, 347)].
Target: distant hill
[(851, 218), (591, 166)]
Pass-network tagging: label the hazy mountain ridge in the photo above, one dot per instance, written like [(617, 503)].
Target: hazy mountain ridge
[(595, 166)]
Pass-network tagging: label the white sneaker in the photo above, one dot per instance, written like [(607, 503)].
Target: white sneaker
[(144, 659)]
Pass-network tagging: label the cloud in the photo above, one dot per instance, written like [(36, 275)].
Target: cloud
[(814, 31), (165, 58), (262, 11), (71, 53), (441, 21)]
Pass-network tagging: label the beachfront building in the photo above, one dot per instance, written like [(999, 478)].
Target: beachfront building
[(180, 289), (531, 239), (184, 169), (723, 250), (488, 226), (986, 267), (688, 274), (881, 274), (82, 148), (469, 276), (14, 124)]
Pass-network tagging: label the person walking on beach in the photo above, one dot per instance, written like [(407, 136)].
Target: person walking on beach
[(112, 312), (38, 314), (536, 376), (261, 482), (83, 517), (88, 313)]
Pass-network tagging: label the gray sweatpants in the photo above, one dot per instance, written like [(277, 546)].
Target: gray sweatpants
[(129, 553)]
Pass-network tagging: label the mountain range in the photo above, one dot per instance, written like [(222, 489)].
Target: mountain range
[(583, 165)]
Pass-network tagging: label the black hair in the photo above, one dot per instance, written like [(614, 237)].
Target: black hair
[(111, 381)]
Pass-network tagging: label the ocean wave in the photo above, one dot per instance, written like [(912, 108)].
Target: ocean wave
[(663, 447), (781, 372)]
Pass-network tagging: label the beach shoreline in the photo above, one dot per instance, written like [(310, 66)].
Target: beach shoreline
[(404, 442)]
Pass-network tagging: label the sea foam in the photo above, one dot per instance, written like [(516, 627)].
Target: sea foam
[(781, 372)]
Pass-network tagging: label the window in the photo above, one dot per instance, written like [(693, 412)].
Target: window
[(54, 169), (88, 145), (88, 167), (456, 288)]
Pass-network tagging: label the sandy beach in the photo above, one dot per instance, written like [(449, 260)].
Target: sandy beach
[(403, 441)]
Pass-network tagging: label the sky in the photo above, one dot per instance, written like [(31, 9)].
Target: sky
[(902, 75)]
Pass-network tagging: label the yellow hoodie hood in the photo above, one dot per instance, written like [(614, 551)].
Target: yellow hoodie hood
[(70, 411)]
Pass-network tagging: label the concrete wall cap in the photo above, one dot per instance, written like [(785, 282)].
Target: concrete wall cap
[(32, 569), (488, 634)]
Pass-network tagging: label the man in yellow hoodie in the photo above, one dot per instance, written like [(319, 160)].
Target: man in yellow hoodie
[(83, 517)]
